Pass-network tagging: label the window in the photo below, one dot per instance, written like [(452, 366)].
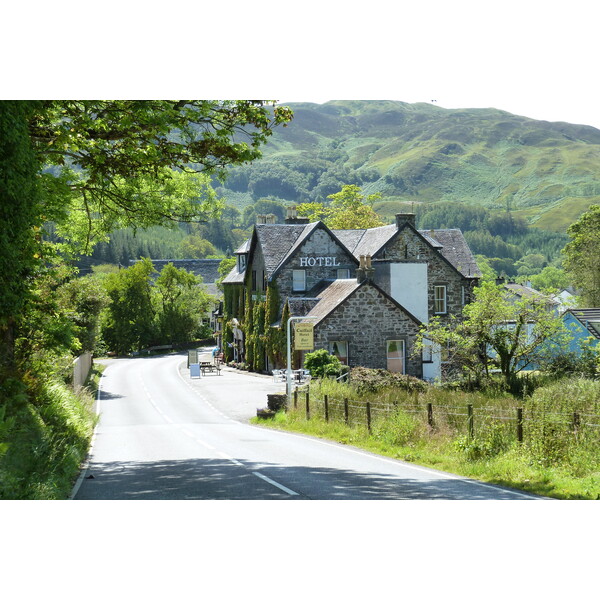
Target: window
[(339, 349), (395, 356), (343, 274), (298, 280), (427, 351), (253, 281), (439, 299)]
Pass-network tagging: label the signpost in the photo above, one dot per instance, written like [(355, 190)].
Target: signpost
[(289, 352)]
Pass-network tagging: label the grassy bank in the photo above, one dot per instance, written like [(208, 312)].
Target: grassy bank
[(44, 438), (554, 454)]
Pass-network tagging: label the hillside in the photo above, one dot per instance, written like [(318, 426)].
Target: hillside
[(421, 153)]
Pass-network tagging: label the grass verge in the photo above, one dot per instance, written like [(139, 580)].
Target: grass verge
[(548, 465)]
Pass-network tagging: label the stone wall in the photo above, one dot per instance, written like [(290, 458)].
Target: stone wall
[(366, 320), (320, 257), (409, 247)]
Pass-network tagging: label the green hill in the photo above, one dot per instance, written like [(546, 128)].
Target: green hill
[(421, 153)]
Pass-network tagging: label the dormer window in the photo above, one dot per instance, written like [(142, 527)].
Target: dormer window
[(242, 262)]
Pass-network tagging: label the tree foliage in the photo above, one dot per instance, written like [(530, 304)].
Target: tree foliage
[(349, 209), (498, 330), (582, 256)]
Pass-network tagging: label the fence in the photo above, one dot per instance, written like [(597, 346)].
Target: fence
[(82, 366), (465, 418)]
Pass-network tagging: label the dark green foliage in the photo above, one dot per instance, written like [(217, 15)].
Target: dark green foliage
[(322, 364), (583, 256), (20, 219)]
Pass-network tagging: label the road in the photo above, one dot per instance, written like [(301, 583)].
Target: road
[(164, 435)]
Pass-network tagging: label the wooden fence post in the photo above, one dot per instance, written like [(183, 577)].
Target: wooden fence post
[(369, 417), (470, 425), (576, 422), (430, 414), (519, 424), (307, 405), (296, 398), (326, 399), (346, 416)]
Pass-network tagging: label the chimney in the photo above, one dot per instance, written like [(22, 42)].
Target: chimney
[(261, 219), (403, 218), (365, 271), (292, 217), (270, 219)]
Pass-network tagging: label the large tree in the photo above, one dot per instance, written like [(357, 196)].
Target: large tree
[(498, 330), (90, 166), (582, 256)]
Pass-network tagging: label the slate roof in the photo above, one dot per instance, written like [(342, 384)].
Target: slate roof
[(524, 291), (454, 248), (589, 318), (278, 241), (450, 243), (332, 296)]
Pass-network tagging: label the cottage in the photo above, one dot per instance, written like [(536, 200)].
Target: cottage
[(584, 326), (367, 291)]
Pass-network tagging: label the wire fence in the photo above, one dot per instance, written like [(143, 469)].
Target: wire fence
[(465, 418)]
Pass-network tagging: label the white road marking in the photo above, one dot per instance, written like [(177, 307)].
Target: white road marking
[(277, 485)]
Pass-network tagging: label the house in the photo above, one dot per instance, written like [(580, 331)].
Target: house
[(584, 326), (367, 291)]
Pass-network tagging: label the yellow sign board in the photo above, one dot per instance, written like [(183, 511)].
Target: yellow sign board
[(304, 338)]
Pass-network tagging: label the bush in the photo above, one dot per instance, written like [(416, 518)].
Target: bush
[(374, 380), (322, 364)]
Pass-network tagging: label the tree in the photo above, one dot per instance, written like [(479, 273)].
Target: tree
[(349, 209), (128, 322), (119, 163), (498, 331), (91, 166), (582, 254), (183, 304), (193, 246)]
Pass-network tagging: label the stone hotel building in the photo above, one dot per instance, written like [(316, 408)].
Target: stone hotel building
[(368, 290)]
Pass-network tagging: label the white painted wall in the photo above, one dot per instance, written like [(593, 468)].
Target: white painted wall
[(408, 287)]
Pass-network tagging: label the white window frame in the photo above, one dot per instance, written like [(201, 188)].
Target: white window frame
[(298, 286), (346, 273), (440, 301)]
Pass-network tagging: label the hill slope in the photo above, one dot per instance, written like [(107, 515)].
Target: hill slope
[(421, 153)]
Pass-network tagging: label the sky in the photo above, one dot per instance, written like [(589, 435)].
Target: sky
[(537, 59)]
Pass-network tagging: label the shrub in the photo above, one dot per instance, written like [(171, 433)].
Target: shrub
[(322, 364), (374, 380)]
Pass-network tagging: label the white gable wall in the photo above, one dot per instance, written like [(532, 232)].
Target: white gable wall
[(408, 286)]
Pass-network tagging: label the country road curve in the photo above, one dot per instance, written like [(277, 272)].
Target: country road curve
[(163, 435)]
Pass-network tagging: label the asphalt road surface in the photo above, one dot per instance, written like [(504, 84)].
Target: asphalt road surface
[(164, 435)]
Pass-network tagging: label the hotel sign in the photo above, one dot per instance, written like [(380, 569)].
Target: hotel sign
[(321, 261), (304, 336)]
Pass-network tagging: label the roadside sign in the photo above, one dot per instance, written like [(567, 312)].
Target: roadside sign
[(304, 336), (192, 357), (195, 370)]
